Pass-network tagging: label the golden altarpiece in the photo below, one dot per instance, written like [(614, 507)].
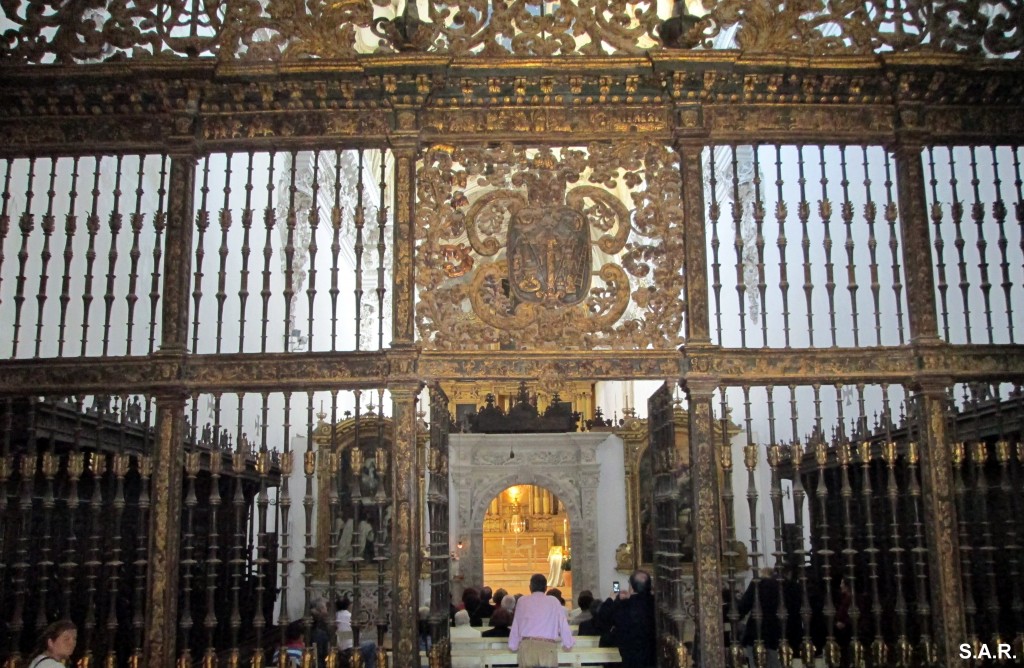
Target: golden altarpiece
[(220, 220)]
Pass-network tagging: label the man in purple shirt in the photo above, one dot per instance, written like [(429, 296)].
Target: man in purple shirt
[(539, 626)]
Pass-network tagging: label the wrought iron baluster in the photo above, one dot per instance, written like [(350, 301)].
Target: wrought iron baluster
[(904, 650), (891, 217), (1014, 479), (804, 213), (999, 213), (50, 467), (119, 464), (781, 216), (380, 548), (870, 213), (5, 217), (237, 561), (851, 267), (159, 224), (929, 651), (957, 209), (959, 450), (1018, 206), (382, 219), (939, 244), (269, 219), (213, 560), (137, 221), (825, 212), (114, 224), (796, 455), (714, 213), (262, 537), (337, 212), (243, 288), (334, 477), (202, 224), (775, 459), (856, 648), (308, 557), (978, 214), (879, 651), (26, 223), (21, 566), (314, 222), (289, 251), (96, 465), (356, 560), (979, 457), (284, 504), (93, 227), (758, 213), (825, 553), (47, 226), (738, 245), (144, 466), (188, 562), (225, 220), (757, 613)]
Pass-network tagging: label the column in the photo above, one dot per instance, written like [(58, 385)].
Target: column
[(936, 466), (168, 456), (406, 534), (707, 523), (404, 279)]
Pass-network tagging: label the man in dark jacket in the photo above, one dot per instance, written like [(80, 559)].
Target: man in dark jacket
[(631, 614)]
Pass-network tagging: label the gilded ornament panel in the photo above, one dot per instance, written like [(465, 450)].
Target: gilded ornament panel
[(294, 30), (575, 248)]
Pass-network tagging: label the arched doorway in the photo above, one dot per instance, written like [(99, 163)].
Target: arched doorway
[(525, 531)]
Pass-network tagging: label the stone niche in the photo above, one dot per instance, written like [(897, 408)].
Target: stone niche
[(585, 470)]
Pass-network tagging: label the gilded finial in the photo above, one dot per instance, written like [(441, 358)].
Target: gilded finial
[(889, 452), (979, 452), (821, 454), (750, 456), (309, 462), (957, 453), (864, 452), (843, 452), (913, 453), (1003, 451)]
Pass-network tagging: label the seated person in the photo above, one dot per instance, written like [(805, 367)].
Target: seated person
[(582, 613), (343, 628), (501, 620), (462, 629)]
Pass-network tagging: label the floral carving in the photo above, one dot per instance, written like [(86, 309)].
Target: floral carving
[(545, 263)]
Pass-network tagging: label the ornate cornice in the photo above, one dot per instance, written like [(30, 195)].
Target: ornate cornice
[(723, 96), (924, 364)]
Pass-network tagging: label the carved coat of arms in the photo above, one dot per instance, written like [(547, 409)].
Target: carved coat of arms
[(548, 259)]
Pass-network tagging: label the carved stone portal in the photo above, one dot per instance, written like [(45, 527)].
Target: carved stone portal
[(577, 467)]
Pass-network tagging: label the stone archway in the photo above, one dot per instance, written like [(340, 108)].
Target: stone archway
[(565, 464)]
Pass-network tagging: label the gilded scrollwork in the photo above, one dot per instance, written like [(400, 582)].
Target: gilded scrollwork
[(291, 30), (542, 262)]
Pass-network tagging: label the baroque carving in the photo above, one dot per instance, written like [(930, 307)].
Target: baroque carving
[(288, 30), (555, 266)]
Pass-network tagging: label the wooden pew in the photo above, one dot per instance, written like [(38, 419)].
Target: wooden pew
[(496, 658)]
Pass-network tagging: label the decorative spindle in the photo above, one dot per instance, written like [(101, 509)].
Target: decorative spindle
[(979, 457), (284, 504), (247, 219), (738, 245), (831, 650), (48, 226), (804, 214), (957, 211), (382, 220), (336, 223), (92, 226), (920, 548), (309, 557), (714, 214), (114, 224), (999, 213), (27, 466), (958, 453), (96, 464), (870, 215), (1012, 546), (313, 216), (50, 467), (5, 217), (159, 224), (26, 223), (825, 212), (213, 560), (70, 226), (851, 272), (120, 463), (889, 454), (224, 218), (781, 216), (237, 562), (289, 249), (262, 541), (144, 467), (137, 221), (202, 224), (843, 452), (980, 222), (730, 552), (269, 220), (878, 650), (758, 215), (188, 562)]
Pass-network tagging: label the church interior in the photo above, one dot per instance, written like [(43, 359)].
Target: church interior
[(384, 302)]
